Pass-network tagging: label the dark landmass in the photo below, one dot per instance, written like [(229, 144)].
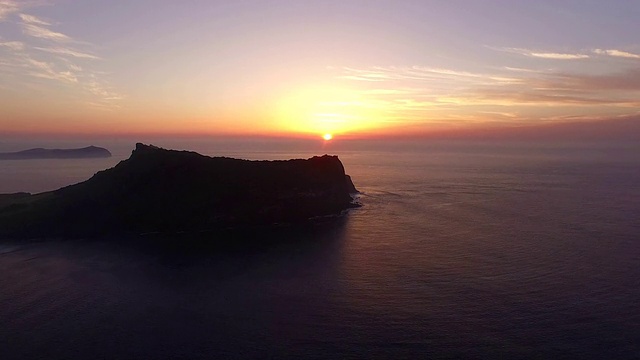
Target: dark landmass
[(40, 153), (158, 190)]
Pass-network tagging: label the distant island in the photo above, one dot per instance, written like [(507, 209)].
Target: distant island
[(41, 153), (159, 190)]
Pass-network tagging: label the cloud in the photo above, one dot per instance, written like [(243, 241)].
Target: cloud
[(46, 70), (66, 76), (71, 74), (30, 19), (523, 70), (13, 45), (628, 80), (420, 74), (68, 52), (102, 106), (495, 94), (508, 115), (104, 93), (507, 94), (385, 92), (544, 55), (617, 53), (44, 33), (558, 56), (537, 97), (359, 78), (619, 89), (45, 53), (36, 27), (7, 7)]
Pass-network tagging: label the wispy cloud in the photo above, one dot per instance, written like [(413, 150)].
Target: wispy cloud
[(43, 33), (558, 56), (545, 55), (627, 80), (66, 51), (386, 92), (499, 93), (617, 53), (8, 7), (537, 97), (98, 88), (421, 73), (45, 53), (13, 45), (46, 70), (523, 70), (508, 115), (30, 19), (561, 89)]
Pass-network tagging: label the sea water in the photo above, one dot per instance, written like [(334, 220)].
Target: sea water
[(460, 251)]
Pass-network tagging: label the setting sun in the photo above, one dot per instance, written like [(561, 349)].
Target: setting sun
[(327, 137), (326, 109)]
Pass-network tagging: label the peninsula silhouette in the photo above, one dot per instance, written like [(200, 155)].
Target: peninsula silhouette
[(41, 153), (159, 190)]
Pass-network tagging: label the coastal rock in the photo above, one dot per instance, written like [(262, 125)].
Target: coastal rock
[(158, 190)]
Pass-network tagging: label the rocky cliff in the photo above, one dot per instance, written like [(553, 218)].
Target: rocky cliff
[(158, 190)]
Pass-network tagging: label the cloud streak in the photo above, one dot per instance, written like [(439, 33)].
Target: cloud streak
[(69, 52), (429, 92), (568, 56), (30, 19), (617, 53), (422, 73), (545, 55), (47, 71), (13, 45), (44, 33), (628, 80)]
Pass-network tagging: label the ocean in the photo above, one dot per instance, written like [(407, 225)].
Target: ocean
[(460, 250)]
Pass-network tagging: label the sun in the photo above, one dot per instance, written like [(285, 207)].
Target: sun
[(327, 137)]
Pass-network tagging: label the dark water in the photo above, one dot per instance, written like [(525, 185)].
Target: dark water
[(465, 252)]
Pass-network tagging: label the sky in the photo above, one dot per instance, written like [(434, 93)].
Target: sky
[(306, 68)]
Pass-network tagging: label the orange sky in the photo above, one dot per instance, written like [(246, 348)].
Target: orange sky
[(387, 69)]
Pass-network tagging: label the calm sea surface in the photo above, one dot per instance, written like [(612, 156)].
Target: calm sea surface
[(460, 251)]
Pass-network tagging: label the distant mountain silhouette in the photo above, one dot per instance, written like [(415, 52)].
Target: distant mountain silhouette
[(158, 190), (40, 153)]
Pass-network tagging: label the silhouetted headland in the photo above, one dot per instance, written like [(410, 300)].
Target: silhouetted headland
[(40, 153), (159, 190)]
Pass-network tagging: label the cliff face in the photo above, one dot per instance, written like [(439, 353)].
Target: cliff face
[(165, 190), (40, 153)]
